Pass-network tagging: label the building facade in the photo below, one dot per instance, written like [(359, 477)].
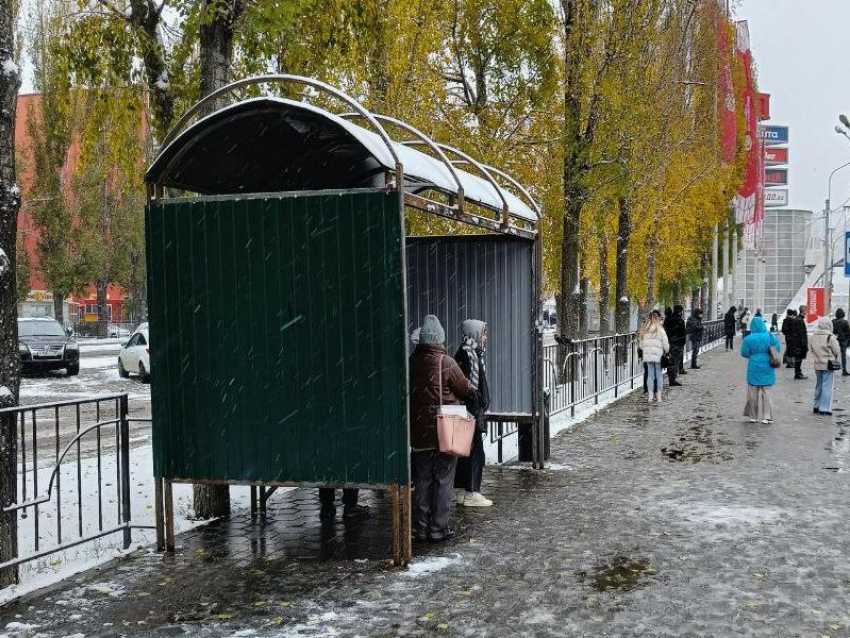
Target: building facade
[(770, 277)]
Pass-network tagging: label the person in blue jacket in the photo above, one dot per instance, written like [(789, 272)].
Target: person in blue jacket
[(761, 376)]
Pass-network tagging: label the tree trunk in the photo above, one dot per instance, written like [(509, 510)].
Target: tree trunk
[(584, 289), (10, 202), (102, 319), (604, 289), (216, 55), (695, 298), (569, 306), (59, 307), (624, 232), (677, 293), (650, 276)]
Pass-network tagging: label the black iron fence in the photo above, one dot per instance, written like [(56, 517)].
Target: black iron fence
[(71, 483), (596, 369)]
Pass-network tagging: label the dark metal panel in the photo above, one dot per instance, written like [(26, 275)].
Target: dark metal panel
[(487, 277), (278, 339)]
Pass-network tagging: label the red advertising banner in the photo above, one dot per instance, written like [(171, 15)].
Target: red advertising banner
[(764, 106), (746, 201), (816, 302), (776, 177), (774, 155), (726, 92)]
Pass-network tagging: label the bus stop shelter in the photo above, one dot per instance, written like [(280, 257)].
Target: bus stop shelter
[(283, 290)]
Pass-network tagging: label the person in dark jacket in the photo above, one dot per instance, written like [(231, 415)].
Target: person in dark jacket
[(470, 358), (798, 344), (730, 327), (674, 326), (786, 330), (435, 379), (695, 331), (774, 323), (841, 329)]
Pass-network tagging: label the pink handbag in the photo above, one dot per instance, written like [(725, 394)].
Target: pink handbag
[(454, 431)]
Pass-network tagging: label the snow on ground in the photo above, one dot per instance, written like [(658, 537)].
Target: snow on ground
[(92, 381), (432, 564), (89, 363)]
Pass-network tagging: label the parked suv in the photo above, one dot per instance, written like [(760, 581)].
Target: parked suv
[(44, 345)]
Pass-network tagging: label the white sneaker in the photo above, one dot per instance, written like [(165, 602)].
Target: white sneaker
[(460, 495), (659, 397), (650, 398), (476, 499)]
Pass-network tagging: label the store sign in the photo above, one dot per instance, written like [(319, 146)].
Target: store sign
[(816, 303), (774, 198), (773, 156), (776, 177), (774, 135), (39, 295)]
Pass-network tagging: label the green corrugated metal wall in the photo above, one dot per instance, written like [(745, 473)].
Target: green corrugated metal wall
[(278, 345)]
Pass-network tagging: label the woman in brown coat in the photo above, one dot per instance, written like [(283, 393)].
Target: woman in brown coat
[(433, 471)]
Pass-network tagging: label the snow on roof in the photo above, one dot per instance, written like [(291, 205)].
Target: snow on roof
[(419, 168)]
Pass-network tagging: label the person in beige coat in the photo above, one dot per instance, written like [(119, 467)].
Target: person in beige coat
[(654, 344), (825, 354)]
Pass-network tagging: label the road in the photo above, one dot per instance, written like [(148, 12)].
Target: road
[(98, 377)]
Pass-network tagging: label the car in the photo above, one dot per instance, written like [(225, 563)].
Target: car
[(135, 355), (44, 345)]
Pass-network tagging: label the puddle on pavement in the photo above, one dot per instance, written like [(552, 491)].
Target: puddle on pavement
[(698, 443), (839, 450), (621, 574)]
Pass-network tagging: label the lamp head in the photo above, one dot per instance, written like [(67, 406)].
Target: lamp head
[(840, 130), (844, 120)]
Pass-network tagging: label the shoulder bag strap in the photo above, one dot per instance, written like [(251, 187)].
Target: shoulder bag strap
[(440, 377)]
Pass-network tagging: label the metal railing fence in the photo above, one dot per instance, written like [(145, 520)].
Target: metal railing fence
[(585, 370), (72, 478)]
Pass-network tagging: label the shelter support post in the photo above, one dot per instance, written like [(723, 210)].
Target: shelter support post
[(158, 514), (406, 537), (254, 499), (396, 516), (169, 517)]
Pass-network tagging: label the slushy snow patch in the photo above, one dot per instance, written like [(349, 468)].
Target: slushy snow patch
[(9, 67), (5, 392), (431, 565)]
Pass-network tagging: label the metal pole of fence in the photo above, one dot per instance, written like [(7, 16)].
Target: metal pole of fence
[(573, 375), (8, 496), (616, 367), (125, 470), (596, 371)]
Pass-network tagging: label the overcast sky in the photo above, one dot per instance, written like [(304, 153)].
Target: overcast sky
[(801, 50)]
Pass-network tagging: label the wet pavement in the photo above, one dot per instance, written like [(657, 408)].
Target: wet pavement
[(673, 520)]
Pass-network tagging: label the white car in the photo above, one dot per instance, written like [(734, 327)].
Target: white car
[(135, 355)]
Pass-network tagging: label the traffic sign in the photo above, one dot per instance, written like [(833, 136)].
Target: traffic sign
[(847, 254)]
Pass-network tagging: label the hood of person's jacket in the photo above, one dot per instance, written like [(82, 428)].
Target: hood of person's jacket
[(757, 325), (825, 325), (430, 347), (678, 310), (473, 329)]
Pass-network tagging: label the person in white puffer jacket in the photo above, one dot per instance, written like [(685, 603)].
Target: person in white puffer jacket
[(654, 344)]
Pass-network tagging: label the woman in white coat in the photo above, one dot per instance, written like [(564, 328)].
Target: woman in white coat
[(654, 343)]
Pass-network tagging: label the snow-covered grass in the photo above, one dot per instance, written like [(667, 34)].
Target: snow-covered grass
[(97, 502)]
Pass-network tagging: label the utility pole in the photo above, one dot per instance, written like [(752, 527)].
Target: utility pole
[(827, 259), (712, 295), (733, 266), (727, 297)]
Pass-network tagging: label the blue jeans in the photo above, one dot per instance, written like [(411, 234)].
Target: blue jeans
[(823, 390), (654, 375)]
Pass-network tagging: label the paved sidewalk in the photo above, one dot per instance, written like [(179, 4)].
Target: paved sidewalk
[(671, 520)]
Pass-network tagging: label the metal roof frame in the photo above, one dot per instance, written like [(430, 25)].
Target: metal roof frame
[(526, 210)]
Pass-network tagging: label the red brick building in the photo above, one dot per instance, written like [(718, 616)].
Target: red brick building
[(39, 300)]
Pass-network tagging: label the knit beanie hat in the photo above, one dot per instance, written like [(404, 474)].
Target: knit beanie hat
[(431, 332)]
